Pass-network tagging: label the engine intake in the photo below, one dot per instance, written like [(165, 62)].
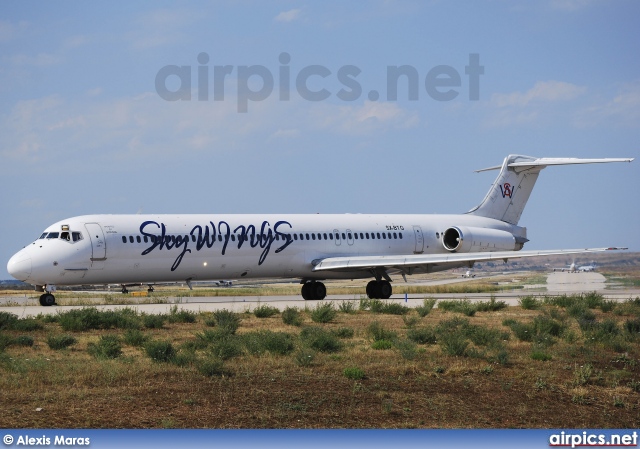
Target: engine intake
[(463, 239)]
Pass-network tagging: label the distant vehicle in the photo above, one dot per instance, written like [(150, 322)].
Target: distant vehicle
[(223, 283), (151, 249), (468, 274)]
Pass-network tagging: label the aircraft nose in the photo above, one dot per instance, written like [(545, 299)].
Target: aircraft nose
[(19, 267)]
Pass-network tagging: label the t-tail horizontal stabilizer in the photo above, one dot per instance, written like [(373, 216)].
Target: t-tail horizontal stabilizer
[(510, 192)]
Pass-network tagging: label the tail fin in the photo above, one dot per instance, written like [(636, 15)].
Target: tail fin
[(510, 192)]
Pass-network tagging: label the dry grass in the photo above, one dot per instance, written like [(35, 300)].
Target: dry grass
[(76, 390)]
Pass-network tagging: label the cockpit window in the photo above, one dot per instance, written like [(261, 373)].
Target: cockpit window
[(53, 235), (44, 234), (76, 236), (65, 236)]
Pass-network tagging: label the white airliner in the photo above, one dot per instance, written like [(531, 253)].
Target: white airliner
[(150, 249)]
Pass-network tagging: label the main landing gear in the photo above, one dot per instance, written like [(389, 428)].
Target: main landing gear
[(314, 290), (379, 290), (47, 299)]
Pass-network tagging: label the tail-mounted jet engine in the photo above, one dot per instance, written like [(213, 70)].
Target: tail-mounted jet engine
[(463, 239)]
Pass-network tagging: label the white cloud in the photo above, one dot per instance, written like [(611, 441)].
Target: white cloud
[(544, 100), (542, 91), (623, 109), (288, 16), (365, 118)]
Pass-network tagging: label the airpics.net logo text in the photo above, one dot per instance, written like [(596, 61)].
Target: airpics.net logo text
[(257, 82)]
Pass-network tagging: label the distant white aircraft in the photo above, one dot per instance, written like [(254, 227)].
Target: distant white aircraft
[(575, 269), (468, 274), (149, 249)]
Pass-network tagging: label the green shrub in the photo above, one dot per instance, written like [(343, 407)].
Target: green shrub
[(87, 318), (427, 306), (320, 339), (344, 332), (422, 335), (226, 349), (57, 342), (408, 349), (7, 320), (153, 321), (410, 321), (540, 355), (160, 351), (529, 303), (181, 315), (347, 307), (23, 340), (27, 325), (353, 373), (382, 344), (5, 342), (632, 326), (453, 344), (108, 347), (135, 337), (608, 305), (209, 336), (491, 306), (377, 332), (323, 313), (460, 306), (265, 311), (291, 316), (393, 308), (226, 320), (265, 340), (212, 367), (304, 357)]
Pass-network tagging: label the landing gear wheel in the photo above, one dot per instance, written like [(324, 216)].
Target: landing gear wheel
[(150, 289), (47, 299), (314, 290), (124, 290), (379, 290), (318, 290), (305, 291), (371, 290), (385, 289)]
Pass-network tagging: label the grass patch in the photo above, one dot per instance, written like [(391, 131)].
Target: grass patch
[(57, 342), (426, 307), (265, 311), (292, 316), (320, 339), (323, 313), (353, 373), (108, 347)]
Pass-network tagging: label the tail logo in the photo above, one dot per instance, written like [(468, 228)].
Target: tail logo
[(506, 191)]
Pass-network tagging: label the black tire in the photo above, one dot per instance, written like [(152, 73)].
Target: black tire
[(305, 291), (374, 290), (318, 290), (385, 289), (47, 300)]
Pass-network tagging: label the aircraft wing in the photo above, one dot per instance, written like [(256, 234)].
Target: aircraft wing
[(406, 263)]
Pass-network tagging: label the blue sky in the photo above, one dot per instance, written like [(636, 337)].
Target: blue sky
[(84, 130)]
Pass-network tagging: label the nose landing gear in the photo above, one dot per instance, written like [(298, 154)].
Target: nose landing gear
[(47, 299)]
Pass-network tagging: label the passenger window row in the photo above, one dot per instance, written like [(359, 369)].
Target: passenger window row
[(294, 236)]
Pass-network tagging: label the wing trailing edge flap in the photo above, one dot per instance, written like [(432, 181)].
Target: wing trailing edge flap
[(418, 260)]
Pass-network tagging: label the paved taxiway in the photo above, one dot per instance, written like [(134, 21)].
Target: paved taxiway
[(557, 283)]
